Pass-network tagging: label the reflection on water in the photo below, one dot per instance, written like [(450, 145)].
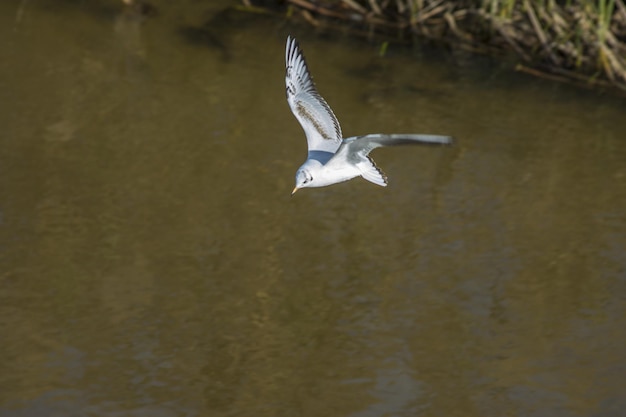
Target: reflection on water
[(154, 264)]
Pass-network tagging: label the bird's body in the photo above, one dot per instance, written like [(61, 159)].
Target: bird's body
[(332, 159)]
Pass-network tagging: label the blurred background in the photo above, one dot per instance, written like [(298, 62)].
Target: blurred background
[(153, 263)]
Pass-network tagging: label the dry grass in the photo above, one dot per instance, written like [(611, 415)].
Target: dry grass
[(576, 40)]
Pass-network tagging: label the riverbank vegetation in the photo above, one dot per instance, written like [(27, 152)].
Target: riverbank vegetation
[(578, 41)]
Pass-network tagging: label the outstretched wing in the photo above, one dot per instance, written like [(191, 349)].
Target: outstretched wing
[(357, 147), (355, 151), (314, 114)]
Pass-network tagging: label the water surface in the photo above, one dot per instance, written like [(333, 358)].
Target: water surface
[(153, 263)]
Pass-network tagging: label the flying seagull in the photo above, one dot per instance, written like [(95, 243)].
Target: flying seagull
[(332, 159)]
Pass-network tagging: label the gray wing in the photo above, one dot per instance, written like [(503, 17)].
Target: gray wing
[(357, 147), (314, 114), (355, 151)]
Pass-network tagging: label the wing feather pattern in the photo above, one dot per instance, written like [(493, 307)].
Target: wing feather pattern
[(357, 147), (356, 151), (318, 121)]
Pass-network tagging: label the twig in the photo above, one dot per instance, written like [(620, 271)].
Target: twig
[(621, 7), (355, 6), (454, 28), (542, 36), (432, 12), (317, 9), (375, 7), (503, 30), (571, 78), (309, 18)]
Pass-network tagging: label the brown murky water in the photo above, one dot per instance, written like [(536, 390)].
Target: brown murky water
[(153, 263)]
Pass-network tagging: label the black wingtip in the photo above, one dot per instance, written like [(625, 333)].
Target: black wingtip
[(292, 48)]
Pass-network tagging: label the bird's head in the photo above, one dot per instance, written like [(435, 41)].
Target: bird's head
[(303, 179)]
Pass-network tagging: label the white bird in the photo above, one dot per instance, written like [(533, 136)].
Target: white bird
[(332, 159)]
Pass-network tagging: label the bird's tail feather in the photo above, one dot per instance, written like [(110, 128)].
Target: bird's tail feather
[(371, 172)]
